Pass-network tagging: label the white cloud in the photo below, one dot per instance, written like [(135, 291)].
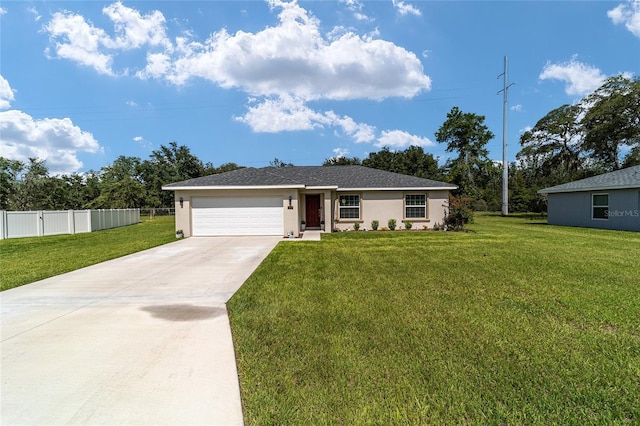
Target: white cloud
[(57, 141), (401, 139), (132, 104), (80, 41), (516, 108), (340, 152), (35, 13), (360, 132), (292, 58), (142, 142), (134, 30), (627, 14), (3, 11), (406, 9), (6, 93), (281, 114), (291, 114), (356, 8), (580, 78)]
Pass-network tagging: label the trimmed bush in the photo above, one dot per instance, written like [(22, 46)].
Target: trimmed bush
[(460, 213), (392, 224), (374, 225)]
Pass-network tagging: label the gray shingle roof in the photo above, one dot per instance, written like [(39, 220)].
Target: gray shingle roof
[(343, 177), (620, 179)]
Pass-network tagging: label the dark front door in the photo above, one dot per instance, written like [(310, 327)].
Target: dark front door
[(312, 208)]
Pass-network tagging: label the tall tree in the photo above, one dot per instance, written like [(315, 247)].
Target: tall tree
[(467, 135), (9, 172), (121, 186), (385, 159), (415, 162), (554, 144), (412, 161), (168, 164), (632, 158), (33, 190), (612, 119)]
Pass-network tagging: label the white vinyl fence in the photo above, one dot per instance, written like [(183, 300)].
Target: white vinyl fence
[(45, 222)]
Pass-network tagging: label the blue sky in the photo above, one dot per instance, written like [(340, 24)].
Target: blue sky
[(82, 83)]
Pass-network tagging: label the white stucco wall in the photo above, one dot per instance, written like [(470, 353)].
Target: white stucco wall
[(385, 205), (375, 205)]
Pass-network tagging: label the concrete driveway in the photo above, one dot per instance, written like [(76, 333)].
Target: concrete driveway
[(144, 339)]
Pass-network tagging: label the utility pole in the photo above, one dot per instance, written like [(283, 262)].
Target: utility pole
[(505, 159)]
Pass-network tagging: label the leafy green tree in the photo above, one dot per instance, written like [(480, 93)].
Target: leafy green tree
[(33, 189), (225, 167), (9, 172), (412, 161), (385, 159), (342, 161), (467, 135), (121, 186), (278, 163), (632, 158), (415, 162), (612, 119), (554, 145), (168, 164)]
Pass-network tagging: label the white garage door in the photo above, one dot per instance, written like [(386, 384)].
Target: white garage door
[(214, 216)]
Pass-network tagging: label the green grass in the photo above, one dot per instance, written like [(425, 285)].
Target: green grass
[(516, 322), (25, 260)]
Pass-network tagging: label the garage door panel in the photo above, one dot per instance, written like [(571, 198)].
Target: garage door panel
[(213, 216)]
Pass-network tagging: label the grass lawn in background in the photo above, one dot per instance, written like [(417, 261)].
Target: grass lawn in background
[(25, 260), (516, 322)]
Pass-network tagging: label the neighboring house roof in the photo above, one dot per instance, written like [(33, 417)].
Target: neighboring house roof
[(620, 179), (341, 178)]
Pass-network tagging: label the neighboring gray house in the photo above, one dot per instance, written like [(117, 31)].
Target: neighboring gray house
[(277, 201), (610, 201)]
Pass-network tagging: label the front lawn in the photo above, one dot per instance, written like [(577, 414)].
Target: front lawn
[(518, 322), (25, 260)]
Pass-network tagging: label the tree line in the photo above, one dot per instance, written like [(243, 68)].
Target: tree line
[(571, 142), (127, 183)]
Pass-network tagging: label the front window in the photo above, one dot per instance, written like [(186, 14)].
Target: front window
[(415, 206), (600, 206), (349, 206)]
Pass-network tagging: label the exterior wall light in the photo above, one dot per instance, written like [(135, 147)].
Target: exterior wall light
[(181, 202)]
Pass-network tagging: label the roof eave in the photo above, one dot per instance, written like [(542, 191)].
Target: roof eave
[(588, 188), (229, 187), (320, 187), (404, 188)]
